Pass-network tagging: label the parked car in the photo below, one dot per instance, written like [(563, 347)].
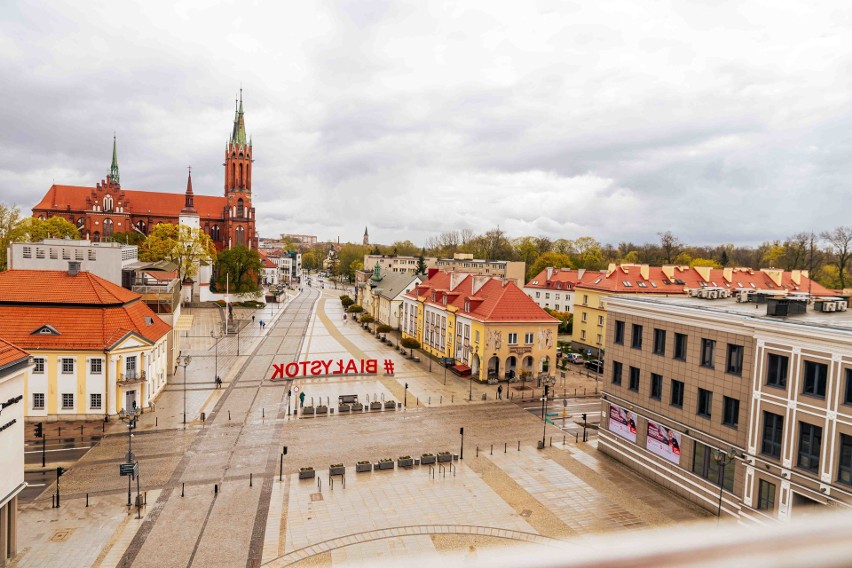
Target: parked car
[(595, 365), (575, 358)]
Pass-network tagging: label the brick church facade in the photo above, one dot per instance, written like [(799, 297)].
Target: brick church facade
[(107, 209)]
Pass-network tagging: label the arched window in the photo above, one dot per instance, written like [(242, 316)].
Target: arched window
[(233, 174), (240, 208), (141, 226), (241, 183), (80, 223), (214, 233), (107, 202), (240, 237), (96, 237), (107, 228)]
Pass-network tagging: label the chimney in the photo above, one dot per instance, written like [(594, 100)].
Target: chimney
[(73, 268)]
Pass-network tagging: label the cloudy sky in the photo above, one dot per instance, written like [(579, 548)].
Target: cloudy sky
[(719, 121)]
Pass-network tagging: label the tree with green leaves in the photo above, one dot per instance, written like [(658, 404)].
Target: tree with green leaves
[(10, 217), (184, 246), (238, 269), (31, 230), (309, 261), (548, 259), (410, 343), (131, 238)]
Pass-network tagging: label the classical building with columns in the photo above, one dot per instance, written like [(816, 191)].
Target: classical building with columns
[(106, 209), (741, 404), (96, 347)]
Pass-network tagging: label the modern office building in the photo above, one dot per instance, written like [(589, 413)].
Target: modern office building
[(105, 259), (741, 404)]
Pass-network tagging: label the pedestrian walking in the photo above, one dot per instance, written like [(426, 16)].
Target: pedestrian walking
[(499, 391), (302, 399), (252, 318), (218, 382)]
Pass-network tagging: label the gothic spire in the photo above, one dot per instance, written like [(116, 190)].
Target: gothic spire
[(238, 135), (113, 170), (189, 197)]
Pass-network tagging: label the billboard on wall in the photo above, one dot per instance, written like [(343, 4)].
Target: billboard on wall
[(664, 442), (622, 422)]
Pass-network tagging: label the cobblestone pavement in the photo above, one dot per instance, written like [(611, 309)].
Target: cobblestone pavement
[(216, 495)]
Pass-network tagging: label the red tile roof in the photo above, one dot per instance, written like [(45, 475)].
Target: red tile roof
[(629, 279), (84, 311), (154, 203), (10, 354), (494, 300), (562, 278), (265, 261), (59, 287)]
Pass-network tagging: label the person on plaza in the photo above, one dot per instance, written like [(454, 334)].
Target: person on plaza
[(252, 318), (218, 382), (499, 391), (302, 399)]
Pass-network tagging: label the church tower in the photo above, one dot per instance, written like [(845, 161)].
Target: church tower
[(366, 237), (239, 214), (188, 215)]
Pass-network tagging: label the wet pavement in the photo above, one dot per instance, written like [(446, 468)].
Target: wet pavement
[(216, 495)]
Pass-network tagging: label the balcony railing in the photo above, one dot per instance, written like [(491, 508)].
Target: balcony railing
[(131, 376)]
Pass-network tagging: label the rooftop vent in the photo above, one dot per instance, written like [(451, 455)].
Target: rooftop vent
[(73, 268), (782, 307)]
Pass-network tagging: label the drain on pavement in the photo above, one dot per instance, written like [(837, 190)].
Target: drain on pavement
[(61, 535)]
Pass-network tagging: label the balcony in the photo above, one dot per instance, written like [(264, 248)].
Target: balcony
[(131, 377)]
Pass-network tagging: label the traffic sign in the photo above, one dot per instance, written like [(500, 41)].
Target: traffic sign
[(131, 469), (296, 388)]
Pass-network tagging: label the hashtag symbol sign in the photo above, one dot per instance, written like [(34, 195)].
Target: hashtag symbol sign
[(388, 367)]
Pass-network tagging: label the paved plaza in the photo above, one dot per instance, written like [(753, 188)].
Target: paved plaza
[(214, 493)]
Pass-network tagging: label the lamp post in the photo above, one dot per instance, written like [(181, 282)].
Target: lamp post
[(216, 337), (183, 361), (129, 417), (723, 459), (543, 417)]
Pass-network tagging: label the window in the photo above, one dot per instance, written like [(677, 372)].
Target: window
[(659, 341), (67, 401), (95, 400), (731, 415), (815, 374), (616, 372), (619, 332), (585, 317), (28, 252), (773, 429), (705, 403), (108, 230), (600, 320), (54, 254), (705, 463), (765, 496), (636, 337), (585, 299), (847, 397), (734, 364), (677, 393), (67, 366), (656, 386), (38, 367), (776, 374), (844, 469), (96, 366), (547, 295), (810, 441), (528, 338), (680, 346), (38, 401), (634, 379), (513, 339), (583, 334), (707, 348)]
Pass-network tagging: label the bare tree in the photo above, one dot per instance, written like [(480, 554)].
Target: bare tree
[(670, 246), (840, 240)]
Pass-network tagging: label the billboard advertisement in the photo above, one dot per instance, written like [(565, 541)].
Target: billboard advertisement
[(622, 422), (664, 442)]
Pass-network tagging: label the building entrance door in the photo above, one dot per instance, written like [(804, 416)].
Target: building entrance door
[(130, 400)]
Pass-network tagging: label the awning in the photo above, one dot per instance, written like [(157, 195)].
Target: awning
[(461, 368)]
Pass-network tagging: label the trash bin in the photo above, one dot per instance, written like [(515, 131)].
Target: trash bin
[(484, 396)]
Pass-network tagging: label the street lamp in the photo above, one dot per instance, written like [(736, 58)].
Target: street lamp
[(183, 361), (129, 417), (723, 459), (216, 337), (543, 417)]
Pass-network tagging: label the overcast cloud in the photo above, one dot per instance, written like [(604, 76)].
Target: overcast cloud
[(719, 121)]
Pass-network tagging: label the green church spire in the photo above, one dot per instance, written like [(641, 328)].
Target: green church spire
[(113, 169), (238, 136)]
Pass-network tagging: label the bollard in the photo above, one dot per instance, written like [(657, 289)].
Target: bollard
[(264, 413), (430, 401), (551, 440), (81, 430), (477, 451), (576, 437), (492, 449), (156, 421), (416, 401), (215, 489), (229, 415), (563, 440), (442, 400), (53, 500), (250, 479), (60, 432), (87, 499), (519, 445), (505, 445)]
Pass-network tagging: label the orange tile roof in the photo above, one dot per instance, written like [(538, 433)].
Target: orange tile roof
[(59, 287), (135, 202), (87, 329), (265, 261), (10, 354), (562, 278), (493, 301)]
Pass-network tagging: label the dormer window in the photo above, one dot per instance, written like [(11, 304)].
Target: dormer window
[(627, 284), (46, 329), (559, 285), (467, 305)]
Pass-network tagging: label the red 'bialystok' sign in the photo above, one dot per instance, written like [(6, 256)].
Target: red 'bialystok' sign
[(321, 367)]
